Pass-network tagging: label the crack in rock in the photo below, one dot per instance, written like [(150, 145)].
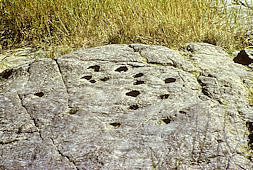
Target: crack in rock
[(65, 85), (8, 141), (65, 156), (32, 118)]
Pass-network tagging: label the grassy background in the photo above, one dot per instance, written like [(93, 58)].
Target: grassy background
[(72, 24)]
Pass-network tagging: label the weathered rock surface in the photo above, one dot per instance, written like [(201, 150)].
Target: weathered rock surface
[(13, 58), (127, 107)]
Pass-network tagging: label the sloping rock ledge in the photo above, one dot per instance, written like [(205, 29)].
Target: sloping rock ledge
[(128, 107)]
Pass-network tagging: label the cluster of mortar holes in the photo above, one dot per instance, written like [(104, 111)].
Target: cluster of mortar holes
[(133, 93), (39, 94), (96, 68), (6, 74), (164, 96), (138, 75), (122, 68), (115, 124), (139, 82), (134, 107), (169, 80), (105, 79)]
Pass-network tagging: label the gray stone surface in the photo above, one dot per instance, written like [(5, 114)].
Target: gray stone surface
[(127, 107)]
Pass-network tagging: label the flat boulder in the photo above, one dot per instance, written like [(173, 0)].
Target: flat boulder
[(127, 107)]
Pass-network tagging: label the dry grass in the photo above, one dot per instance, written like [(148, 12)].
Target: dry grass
[(74, 24)]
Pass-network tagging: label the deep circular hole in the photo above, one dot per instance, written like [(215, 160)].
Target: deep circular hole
[(169, 80), (122, 68), (166, 120), (133, 93), (138, 75), (93, 81), (86, 77), (182, 112), (39, 94), (6, 73), (115, 124), (73, 110), (95, 68), (164, 96), (138, 82), (105, 79), (134, 107)]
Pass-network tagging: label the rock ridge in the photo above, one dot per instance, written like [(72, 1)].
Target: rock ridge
[(130, 106)]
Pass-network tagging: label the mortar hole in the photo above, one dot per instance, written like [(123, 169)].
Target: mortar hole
[(39, 94), (105, 79), (138, 82), (73, 110), (95, 68), (138, 75), (86, 77), (7, 73), (134, 107), (250, 136), (166, 120), (122, 68), (164, 96), (182, 112), (115, 124), (170, 80), (93, 81), (133, 93)]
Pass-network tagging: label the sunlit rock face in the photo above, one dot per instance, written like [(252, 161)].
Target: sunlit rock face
[(128, 107)]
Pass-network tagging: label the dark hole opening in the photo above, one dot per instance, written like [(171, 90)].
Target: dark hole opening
[(93, 81), (7, 73), (95, 68), (250, 136), (105, 79), (182, 112), (206, 92), (122, 68), (87, 77), (73, 110), (169, 80), (166, 120), (164, 96), (133, 93), (134, 107), (138, 75), (138, 82), (39, 94), (115, 124)]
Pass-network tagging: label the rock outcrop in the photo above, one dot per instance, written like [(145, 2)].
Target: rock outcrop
[(128, 107)]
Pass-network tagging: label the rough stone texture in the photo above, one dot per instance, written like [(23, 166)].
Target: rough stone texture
[(127, 107), (13, 58)]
